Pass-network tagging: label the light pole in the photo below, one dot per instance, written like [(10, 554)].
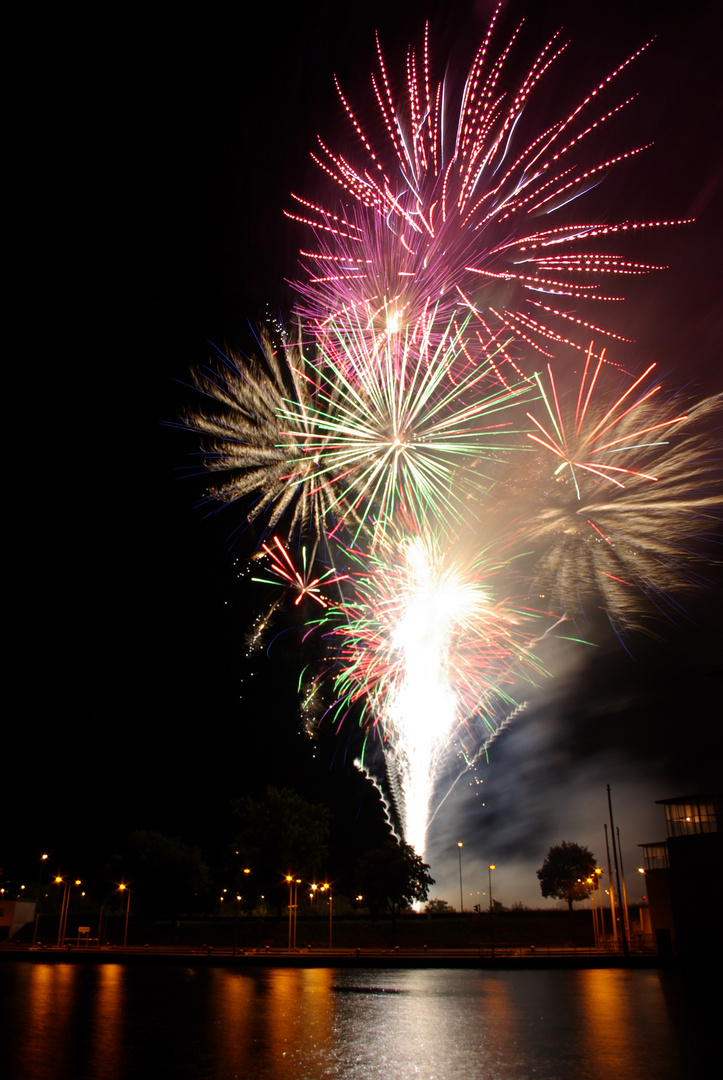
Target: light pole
[(460, 845), (290, 879), (60, 881), (328, 888), (490, 868), (601, 910), (297, 882), (41, 860), (596, 936), (124, 888)]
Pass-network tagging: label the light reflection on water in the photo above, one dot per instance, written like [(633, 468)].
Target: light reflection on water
[(110, 1022)]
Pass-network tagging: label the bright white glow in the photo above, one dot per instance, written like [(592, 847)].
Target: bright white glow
[(423, 712)]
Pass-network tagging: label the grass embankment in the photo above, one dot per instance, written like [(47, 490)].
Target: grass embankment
[(541, 929)]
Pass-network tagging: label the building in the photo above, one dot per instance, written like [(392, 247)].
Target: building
[(684, 878)]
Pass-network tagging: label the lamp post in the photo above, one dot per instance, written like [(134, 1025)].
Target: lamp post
[(297, 882), (294, 883), (124, 888), (590, 882), (490, 868), (601, 910), (325, 889), (290, 880), (461, 900), (41, 860), (58, 880)]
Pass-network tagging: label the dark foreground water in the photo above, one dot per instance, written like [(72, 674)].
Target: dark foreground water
[(110, 1022)]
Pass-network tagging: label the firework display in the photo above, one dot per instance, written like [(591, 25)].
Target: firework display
[(434, 495), (447, 214)]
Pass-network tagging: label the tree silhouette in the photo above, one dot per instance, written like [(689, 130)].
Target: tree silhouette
[(393, 876), (168, 877), (279, 834), (565, 872)]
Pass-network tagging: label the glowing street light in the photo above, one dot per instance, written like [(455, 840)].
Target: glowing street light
[(294, 883), (490, 868), (65, 905), (124, 888), (58, 880), (324, 889), (460, 845)]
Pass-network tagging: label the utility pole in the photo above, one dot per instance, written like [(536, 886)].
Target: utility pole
[(624, 936)]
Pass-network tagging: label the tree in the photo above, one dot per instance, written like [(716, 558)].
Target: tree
[(167, 876), (438, 907), (280, 834), (565, 872), (393, 876)]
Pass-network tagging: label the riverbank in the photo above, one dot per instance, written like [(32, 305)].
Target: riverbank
[(499, 958)]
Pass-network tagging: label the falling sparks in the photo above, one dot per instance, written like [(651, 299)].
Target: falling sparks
[(415, 461)]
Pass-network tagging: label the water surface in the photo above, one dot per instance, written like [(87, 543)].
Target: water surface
[(112, 1022)]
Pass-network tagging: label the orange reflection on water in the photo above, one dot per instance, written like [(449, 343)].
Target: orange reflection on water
[(49, 1017), (106, 1049), (618, 1016), (232, 1011), (300, 1028)]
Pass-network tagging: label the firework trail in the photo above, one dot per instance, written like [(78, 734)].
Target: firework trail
[(402, 420), (432, 654), (622, 487), (450, 213), (256, 433), (396, 433), (301, 583), (330, 443)]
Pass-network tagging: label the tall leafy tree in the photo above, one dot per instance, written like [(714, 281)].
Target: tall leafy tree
[(565, 872), (280, 834), (167, 876), (393, 876)]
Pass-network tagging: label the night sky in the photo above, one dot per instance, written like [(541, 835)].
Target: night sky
[(151, 209)]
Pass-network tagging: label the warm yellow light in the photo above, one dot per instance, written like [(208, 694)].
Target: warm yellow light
[(58, 880), (393, 322), (460, 844), (247, 871), (492, 866)]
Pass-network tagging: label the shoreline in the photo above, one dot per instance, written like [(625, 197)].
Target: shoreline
[(339, 958)]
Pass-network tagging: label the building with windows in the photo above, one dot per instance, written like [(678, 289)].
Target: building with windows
[(684, 878)]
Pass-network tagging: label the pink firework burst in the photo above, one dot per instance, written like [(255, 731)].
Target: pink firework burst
[(452, 213)]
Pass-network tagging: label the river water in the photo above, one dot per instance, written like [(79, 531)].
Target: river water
[(112, 1022)]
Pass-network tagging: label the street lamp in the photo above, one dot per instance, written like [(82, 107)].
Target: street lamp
[(490, 868), (290, 880), (293, 897), (325, 888), (58, 880), (461, 901), (297, 882), (590, 882), (124, 888)]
